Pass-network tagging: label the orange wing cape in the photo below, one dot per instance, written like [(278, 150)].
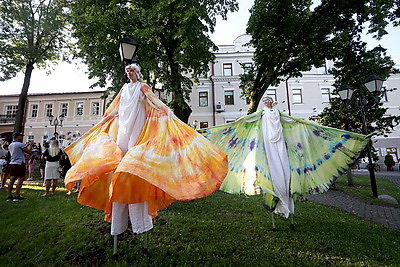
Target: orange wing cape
[(170, 161)]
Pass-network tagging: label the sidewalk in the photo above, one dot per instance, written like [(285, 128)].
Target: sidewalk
[(388, 216)]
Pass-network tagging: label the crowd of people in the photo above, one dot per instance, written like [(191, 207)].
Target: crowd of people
[(20, 161)]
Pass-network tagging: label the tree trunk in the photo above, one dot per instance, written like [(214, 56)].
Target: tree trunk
[(20, 117), (255, 100), (181, 109), (350, 181)]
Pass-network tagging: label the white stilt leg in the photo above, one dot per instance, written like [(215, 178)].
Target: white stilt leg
[(115, 245), (273, 222), (291, 221), (145, 243), (145, 240)]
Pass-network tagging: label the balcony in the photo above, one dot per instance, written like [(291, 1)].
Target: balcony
[(7, 119)]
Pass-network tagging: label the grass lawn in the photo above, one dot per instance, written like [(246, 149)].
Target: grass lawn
[(221, 229)]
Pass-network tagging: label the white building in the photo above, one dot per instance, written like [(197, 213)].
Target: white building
[(80, 112), (217, 98)]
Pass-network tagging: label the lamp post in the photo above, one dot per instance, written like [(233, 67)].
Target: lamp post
[(56, 122), (374, 84), (127, 50)]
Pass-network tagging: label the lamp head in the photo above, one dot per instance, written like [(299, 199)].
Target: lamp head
[(373, 83), (127, 50), (345, 92)]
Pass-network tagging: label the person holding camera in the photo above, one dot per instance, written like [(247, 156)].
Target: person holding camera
[(17, 165)]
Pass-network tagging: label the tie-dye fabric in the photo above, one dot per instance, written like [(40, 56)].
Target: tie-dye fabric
[(170, 161), (317, 155)]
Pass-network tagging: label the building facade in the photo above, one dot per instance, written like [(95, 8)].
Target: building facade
[(78, 112), (215, 100)]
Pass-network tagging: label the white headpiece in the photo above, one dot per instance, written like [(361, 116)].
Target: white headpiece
[(137, 68), (269, 99)]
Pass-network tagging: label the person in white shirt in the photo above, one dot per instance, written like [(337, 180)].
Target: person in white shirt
[(17, 166)]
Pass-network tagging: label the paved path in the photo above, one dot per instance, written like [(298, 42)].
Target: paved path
[(388, 216)]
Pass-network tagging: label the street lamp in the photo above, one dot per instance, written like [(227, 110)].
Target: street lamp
[(374, 84), (56, 121), (127, 50), (345, 92)]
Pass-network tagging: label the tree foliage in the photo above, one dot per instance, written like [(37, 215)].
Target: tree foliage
[(173, 39), (289, 37), (352, 68), (32, 32)]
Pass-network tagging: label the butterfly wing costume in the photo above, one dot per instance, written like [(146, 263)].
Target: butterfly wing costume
[(169, 161), (316, 154)]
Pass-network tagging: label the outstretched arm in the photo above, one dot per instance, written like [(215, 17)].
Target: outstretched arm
[(154, 101)]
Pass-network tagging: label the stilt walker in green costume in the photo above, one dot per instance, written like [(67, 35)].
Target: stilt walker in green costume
[(283, 157)]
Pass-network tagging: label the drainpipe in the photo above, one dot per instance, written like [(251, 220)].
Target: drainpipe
[(287, 95), (25, 114), (213, 91)]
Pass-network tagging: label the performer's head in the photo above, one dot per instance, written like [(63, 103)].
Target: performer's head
[(269, 102), (133, 72)]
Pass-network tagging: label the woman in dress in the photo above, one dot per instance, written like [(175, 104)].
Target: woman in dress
[(52, 155)]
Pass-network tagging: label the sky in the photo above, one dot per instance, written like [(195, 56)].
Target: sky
[(72, 78)]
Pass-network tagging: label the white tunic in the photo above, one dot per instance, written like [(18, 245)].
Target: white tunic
[(278, 160), (132, 117)]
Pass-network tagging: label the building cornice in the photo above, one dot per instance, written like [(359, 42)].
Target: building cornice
[(47, 94)]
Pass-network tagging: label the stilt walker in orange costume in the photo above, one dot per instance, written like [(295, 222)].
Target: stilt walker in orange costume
[(125, 161)]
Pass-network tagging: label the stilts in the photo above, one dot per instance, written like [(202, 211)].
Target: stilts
[(114, 256), (273, 222), (291, 222), (145, 243)]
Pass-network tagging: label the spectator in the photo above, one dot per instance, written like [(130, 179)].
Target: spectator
[(51, 174), (42, 165), (4, 161), (17, 166), (65, 164), (31, 167)]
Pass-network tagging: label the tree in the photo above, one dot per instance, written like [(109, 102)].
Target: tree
[(173, 39), (290, 38), (355, 64), (31, 32)]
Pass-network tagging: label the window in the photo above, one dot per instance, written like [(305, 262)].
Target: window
[(79, 109), (61, 140), (31, 138), (45, 138), (34, 111), (297, 96), (64, 109), (227, 69), (203, 99), (229, 100), (272, 93), (49, 110), (326, 95), (11, 111), (95, 108), (247, 67)]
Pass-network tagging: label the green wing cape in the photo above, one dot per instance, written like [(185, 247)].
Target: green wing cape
[(317, 155)]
